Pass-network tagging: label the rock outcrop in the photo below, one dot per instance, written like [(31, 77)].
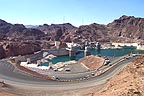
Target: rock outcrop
[(57, 31), (126, 28), (32, 32), (18, 31), (2, 52), (18, 48), (92, 32)]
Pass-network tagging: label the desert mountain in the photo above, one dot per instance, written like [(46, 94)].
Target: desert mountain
[(124, 29), (57, 31)]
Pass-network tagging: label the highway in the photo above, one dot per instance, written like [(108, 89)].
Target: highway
[(12, 76)]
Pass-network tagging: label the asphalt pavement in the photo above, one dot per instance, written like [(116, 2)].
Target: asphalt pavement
[(12, 76)]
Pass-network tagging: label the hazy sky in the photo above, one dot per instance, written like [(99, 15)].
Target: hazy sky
[(76, 12)]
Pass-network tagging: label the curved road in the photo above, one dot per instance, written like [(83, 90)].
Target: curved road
[(16, 78)]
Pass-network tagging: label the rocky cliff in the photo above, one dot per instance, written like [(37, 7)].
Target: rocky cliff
[(57, 31), (8, 49), (17, 31), (126, 28), (92, 32)]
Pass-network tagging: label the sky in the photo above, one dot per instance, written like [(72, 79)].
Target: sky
[(76, 12)]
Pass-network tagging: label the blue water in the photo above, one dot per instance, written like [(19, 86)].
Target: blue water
[(45, 64), (103, 52)]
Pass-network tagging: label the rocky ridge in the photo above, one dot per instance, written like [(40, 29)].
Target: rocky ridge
[(124, 29)]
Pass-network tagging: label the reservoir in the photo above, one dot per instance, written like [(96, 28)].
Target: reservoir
[(102, 52)]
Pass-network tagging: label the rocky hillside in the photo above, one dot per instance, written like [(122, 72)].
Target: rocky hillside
[(92, 32), (8, 49), (126, 28), (129, 82), (67, 32), (57, 31), (17, 31)]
